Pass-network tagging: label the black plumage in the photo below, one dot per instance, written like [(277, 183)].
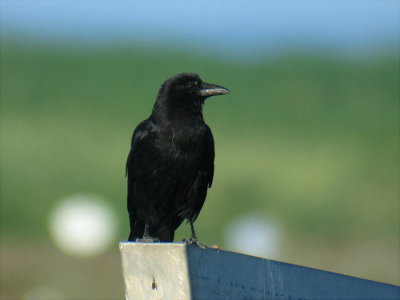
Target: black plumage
[(171, 162)]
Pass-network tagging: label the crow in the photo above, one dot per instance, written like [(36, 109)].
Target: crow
[(170, 165)]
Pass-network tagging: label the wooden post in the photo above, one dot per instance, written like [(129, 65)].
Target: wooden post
[(177, 271)]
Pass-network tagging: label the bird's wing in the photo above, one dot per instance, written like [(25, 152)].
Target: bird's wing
[(145, 162), (199, 182), (139, 137), (139, 144), (209, 156), (152, 179)]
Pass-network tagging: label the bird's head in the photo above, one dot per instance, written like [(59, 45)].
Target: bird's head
[(189, 88)]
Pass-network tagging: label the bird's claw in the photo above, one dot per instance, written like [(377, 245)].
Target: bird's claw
[(194, 241)]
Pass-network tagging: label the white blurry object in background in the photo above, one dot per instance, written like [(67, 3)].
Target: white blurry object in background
[(254, 234), (83, 225)]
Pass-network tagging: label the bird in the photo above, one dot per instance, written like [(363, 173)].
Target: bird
[(170, 165)]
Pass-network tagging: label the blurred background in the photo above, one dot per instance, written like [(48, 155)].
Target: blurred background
[(307, 143)]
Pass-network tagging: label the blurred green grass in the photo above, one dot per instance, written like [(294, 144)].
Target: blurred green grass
[(311, 140)]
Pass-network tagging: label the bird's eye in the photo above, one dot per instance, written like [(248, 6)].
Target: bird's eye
[(192, 84)]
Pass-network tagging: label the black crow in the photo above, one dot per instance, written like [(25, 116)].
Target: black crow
[(171, 162)]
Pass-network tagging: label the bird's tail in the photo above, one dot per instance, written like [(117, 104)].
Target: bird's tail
[(137, 228), (165, 232)]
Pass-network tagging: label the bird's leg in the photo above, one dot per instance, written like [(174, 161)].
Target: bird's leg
[(193, 239), (147, 238)]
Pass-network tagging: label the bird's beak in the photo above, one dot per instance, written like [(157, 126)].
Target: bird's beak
[(209, 89)]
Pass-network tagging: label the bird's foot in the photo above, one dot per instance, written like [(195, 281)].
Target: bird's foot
[(148, 239), (194, 241)]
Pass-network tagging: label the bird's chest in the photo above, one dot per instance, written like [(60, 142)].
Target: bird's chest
[(184, 142)]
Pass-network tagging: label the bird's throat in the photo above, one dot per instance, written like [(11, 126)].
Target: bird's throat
[(179, 115)]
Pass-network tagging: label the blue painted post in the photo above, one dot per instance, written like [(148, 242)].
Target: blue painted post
[(177, 271)]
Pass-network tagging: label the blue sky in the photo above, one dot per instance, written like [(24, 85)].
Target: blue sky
[(222, 26)]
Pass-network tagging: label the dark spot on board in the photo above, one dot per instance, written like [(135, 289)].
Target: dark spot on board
[(154, 284)]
